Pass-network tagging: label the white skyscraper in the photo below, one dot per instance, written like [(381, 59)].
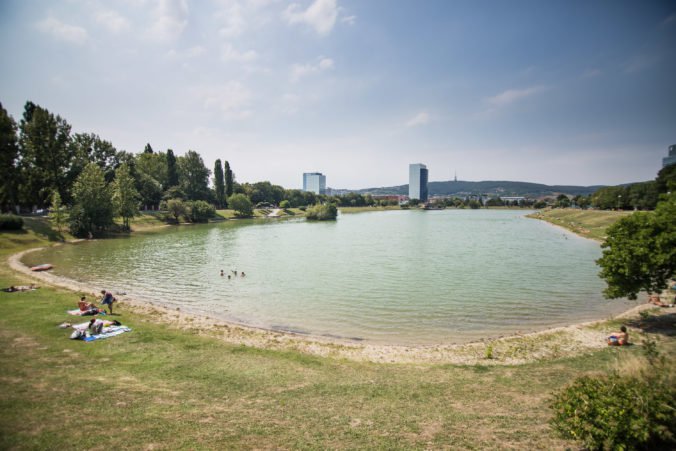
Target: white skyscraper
[(315, 182), (417, 182)]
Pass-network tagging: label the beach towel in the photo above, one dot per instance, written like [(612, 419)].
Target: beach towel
[(78, 312), (110, 331)]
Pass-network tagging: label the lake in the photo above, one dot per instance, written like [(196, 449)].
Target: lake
[(389, 277)]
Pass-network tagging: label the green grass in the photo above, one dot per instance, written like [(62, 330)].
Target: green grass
[(588, 223), (366, 209), (163, 388)]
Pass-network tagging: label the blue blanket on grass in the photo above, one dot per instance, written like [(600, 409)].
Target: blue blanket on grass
[(110, 331)]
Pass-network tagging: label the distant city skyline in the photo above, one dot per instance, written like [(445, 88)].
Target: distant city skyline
[(491, 90)]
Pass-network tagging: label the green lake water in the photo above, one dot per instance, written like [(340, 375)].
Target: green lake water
[(393, 277)]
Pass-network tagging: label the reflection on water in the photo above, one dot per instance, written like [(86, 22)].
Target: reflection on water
[(407, 277)]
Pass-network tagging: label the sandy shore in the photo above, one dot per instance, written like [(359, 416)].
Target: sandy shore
[(549, 344)]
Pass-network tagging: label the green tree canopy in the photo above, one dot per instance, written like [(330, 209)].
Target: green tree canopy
[(640, 252), (93, 209), (229, 180), (193, 176), (9, 153), (125, 196), (172, 171), (241, 204), (219, 183)]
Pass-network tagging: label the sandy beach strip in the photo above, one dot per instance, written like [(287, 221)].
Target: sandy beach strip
[(552, 343)]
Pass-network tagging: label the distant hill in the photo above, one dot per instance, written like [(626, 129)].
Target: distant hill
[(499, 188)]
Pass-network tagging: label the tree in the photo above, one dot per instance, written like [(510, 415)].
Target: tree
[(9, 152), (201, 211), (193, 176), (125, 196), (154, 165), (93, 209), (177, 208), (56, 212), (229, 179), (90, 148), (45, 155), (148, 149), (327, 212), (241, 204), (640, 252), (219, 184), (172, 172)]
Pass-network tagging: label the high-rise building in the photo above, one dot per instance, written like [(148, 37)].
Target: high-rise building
[(671, 159), (315, 182), (417, 182)]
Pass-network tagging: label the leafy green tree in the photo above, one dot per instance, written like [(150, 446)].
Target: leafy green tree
[(201, 211), (9, 153), (640, 252), (177, 208), (229, 179), (327, 212), (148, 148), (90, 148), (284, 204), (193, 176), (125, 196), (153, 165), (241, 204), (46, 155), (150, 191), (666, 179), (93, 209), (56, 212), (172, 171), (219, 184)]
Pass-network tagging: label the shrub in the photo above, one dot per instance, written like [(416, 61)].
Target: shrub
[(284, 204), (201, 211), (11, 222), (327, 212), (614, 412), (241, 204)]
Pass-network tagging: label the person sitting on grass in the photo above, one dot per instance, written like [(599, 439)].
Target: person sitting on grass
[(619, 338), (108, 300), (655, 300)]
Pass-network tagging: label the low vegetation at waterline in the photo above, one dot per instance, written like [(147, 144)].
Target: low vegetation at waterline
[(588, 223), (326, 212)]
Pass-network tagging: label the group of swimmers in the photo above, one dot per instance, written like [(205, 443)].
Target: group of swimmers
[(234, 272)]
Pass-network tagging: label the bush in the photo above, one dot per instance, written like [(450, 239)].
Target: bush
[(241, 204), (284, 204), (617, 412), (327, 212), (11, 222), (201, 211)]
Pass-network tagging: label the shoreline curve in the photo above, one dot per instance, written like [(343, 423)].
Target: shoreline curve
[(552, 343)]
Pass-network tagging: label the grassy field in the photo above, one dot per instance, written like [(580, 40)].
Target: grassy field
[(588, 223), (163, 388)]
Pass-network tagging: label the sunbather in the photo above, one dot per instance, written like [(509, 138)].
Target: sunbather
[(619, 338), (655, 300)]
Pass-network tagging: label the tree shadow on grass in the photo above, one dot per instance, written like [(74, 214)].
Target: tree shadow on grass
[(663, 324), (41, 226)]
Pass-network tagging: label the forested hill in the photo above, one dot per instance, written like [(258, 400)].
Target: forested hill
[(501, 188)]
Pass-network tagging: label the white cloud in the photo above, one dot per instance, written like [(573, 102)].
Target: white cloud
[(512, 95), (170, 19), (232, 18), (299, 71), (320, 15), (232, 54), (232, 99), (192, 52), (591, 73), (421, 118), (112, 20), (63, 31), (350, 20)]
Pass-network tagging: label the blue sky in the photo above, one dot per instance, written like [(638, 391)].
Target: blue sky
[(570, 92)]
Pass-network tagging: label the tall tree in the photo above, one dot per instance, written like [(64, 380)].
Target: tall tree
[(193, 176), (153, 165), (45, 155), (125, 196), (219, 183), (148, 149), (229, 180), (90, 148), (93, 209), (172, 171), (9, 152)]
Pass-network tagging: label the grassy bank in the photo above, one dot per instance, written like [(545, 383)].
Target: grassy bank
[(588, 223), (162, 388)]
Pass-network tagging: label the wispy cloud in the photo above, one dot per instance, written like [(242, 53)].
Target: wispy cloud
[(320, 15), (421, 118), (232, 54), (233, 22), (669, 20), (512, 95), (232, 99), (192, 52), (63, 31), (170, 19), (350, 20), (112, 21), (299, 71), (639, 63)]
